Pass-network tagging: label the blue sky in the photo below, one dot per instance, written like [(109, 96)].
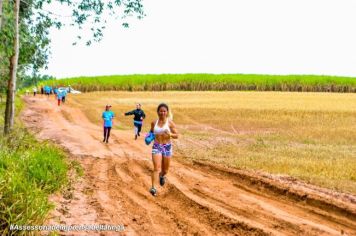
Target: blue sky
[(225, 36)]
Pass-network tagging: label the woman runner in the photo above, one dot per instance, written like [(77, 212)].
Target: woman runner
[(164, 130)]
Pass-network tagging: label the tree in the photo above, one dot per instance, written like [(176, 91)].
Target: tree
[(18, 39), (0, 12), (40, 20), (10, 98), (33, 44), (1, 53)]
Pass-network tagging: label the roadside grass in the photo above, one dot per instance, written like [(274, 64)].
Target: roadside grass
[(207, 82), (29, 172), (310, 136)]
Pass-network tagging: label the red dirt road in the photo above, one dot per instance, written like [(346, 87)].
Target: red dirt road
[(198, 199)]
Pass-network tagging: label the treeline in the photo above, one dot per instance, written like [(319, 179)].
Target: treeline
[(204, 82)]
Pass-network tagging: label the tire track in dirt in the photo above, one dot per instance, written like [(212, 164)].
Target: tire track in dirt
[(197, 200)]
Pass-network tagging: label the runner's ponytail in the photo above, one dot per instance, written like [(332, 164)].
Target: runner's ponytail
[(170, 114)]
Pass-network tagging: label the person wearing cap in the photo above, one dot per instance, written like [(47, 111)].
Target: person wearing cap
[(139, 115), (107, 116)]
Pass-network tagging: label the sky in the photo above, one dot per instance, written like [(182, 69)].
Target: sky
[(225, 36)]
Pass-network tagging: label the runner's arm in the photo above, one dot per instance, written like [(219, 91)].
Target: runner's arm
[(130, 113), (174, 132)]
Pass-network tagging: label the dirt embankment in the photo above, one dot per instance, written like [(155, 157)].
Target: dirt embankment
[(199, 198)]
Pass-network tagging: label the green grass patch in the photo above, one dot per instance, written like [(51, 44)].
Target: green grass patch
[(29, 172), (205, 82)]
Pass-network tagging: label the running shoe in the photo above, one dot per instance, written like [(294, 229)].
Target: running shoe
[(162, 180), (153, 191), (135, 137)]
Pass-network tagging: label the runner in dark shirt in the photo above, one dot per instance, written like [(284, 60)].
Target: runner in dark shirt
[(139, 115)]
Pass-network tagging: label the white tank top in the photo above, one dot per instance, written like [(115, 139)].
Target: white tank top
[(161, 130)]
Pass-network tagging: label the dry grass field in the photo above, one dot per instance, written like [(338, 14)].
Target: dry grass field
[(310, 136)]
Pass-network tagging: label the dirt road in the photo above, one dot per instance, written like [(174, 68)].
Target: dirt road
[(199, 199)]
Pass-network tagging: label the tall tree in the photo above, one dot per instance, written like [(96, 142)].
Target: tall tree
[(10, 98), (33, 44), (0, 12), (1, 53), (40, 19)]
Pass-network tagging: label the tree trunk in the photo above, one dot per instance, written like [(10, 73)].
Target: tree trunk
[(0, 13), (1, 1), (11, 90)]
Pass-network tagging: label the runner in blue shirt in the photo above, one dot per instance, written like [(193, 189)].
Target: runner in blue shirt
[(64, 94), (59, 97), (107, 116), (47, 90)]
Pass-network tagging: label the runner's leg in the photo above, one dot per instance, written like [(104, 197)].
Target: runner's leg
[(139, 129), (157, 160), (108, 134), (136, 130), (105, 131), (165, 165)]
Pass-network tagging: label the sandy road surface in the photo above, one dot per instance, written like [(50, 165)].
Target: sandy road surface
[(198, 199)]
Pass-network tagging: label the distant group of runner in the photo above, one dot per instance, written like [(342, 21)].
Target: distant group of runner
[(161, 132), (60, 94)]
